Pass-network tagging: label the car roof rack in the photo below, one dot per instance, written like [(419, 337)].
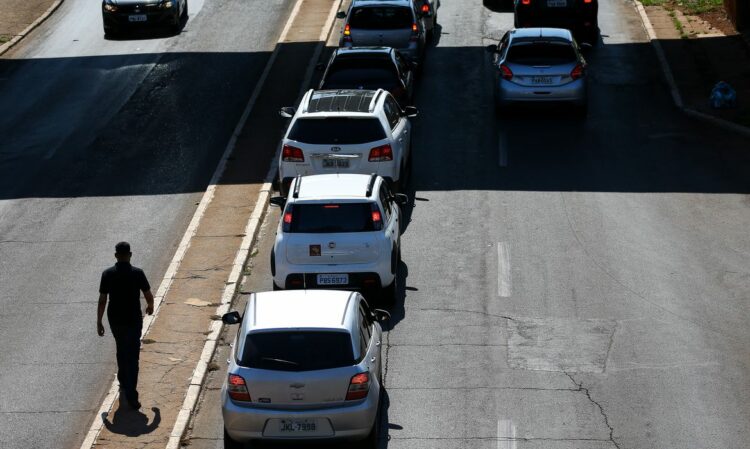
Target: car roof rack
[(297, 183), (370, 184)]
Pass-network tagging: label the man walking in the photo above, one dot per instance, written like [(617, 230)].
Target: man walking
[(123, 284)]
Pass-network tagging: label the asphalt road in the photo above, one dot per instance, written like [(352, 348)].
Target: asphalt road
[(569, 284), (103, 141)]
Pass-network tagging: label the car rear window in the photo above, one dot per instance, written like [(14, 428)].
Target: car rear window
[(327, 218), (541, 53), (381, 18), (340, 130), (298, 350), (355, 72)]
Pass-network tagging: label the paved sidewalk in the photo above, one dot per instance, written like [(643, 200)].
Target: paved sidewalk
[(700, 56)]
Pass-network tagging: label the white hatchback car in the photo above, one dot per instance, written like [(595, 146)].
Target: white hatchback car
[(305, 365), (339, 231), (347, 131)]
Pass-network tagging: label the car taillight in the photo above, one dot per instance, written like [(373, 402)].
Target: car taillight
[(292, 154), (588, 1), (347, 33), (577, 72), (414, 32), (286, 227), (381, 154), (237, 389), (377, 218), (526, 2), (425, 8), (359, 386), (505, 72)]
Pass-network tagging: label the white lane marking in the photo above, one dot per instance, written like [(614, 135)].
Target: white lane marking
[(503, 270), (506, 434), (502, 149), (192, 396)]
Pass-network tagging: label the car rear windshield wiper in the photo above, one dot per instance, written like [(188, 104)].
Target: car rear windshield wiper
[(288, 362)]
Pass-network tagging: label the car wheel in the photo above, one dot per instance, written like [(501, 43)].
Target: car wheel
[(230, 443)]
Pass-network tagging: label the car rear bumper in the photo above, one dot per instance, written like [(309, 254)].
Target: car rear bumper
[(573, 92), (119, 20), (580, 22), (306, 276), (350, 422)]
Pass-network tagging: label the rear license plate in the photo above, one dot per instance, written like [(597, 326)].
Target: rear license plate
[(138, 18), (335, 163), (297, 426), (557, 3), (333, 279), (542, 80)]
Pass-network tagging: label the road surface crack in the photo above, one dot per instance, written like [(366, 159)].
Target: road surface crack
[(586, 391)]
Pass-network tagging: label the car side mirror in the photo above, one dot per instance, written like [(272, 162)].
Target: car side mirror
[(492, 48), (287, 112), (341, 15), (381, 315), (400, 199), (277, 201), (231, 318), (411, 111)]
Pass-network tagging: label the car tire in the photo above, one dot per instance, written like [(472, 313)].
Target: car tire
[(230, 443)]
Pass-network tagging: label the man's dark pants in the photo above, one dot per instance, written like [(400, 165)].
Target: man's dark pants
[(128, 341)]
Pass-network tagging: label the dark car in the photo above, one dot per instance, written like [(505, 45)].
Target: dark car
[(578, 16), (119, 15), (370, 68)]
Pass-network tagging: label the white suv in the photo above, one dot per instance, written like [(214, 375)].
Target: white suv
[(347, 131), (339, 231)]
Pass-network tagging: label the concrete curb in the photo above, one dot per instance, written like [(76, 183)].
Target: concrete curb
[(676, 97), (251, 233), (17, 38)]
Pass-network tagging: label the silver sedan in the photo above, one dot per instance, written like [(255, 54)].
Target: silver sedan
[(539, 65)]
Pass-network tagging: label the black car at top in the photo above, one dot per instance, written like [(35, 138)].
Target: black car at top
[(119, 15), (370, 68), (578, 16)]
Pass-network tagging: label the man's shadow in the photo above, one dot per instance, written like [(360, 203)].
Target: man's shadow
[(129, 422)]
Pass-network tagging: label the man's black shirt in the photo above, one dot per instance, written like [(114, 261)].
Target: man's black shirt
[(124, 283)]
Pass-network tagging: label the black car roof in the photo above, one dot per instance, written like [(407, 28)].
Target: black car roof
[(348, 100)]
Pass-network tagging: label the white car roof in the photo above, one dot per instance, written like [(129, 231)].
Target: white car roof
[(295, 309), (333, 186)]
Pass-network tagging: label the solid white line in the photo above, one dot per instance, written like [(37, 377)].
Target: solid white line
[(192, 228), (502, 149), (251, 231), (503, 270)]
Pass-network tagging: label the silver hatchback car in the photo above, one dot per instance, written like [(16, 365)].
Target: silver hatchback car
[(539, 65), (305, 365)]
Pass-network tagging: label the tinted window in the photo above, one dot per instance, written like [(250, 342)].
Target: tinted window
[(298, 350), (384, 195), (366, 73), (323, 218), (381, 18), (392, 111), (341, 130), (541, 53)]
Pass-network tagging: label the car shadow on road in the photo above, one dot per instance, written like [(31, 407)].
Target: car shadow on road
[(130, 422)]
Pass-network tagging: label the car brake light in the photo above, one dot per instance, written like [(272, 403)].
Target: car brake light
[(381, 154), (376, 216), (587, 1), (347, 33), (237, 389), (292, 154), (288, 218), (359, 386), (577, 72), (425, 8), (287, 221), (414, 32), (526, 2), (505, 72)]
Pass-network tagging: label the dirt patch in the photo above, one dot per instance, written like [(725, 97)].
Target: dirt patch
[(718, 19), (16, 15)]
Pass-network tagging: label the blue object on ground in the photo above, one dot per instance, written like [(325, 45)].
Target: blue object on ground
[(723, 96)]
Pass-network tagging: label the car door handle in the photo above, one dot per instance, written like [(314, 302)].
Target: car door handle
[(372, 360), (377, 343)]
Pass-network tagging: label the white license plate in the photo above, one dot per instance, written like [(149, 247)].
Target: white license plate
[(138, 18), (297, 426), (333, 279), (557, 3), (335, 163), (543, 80)]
